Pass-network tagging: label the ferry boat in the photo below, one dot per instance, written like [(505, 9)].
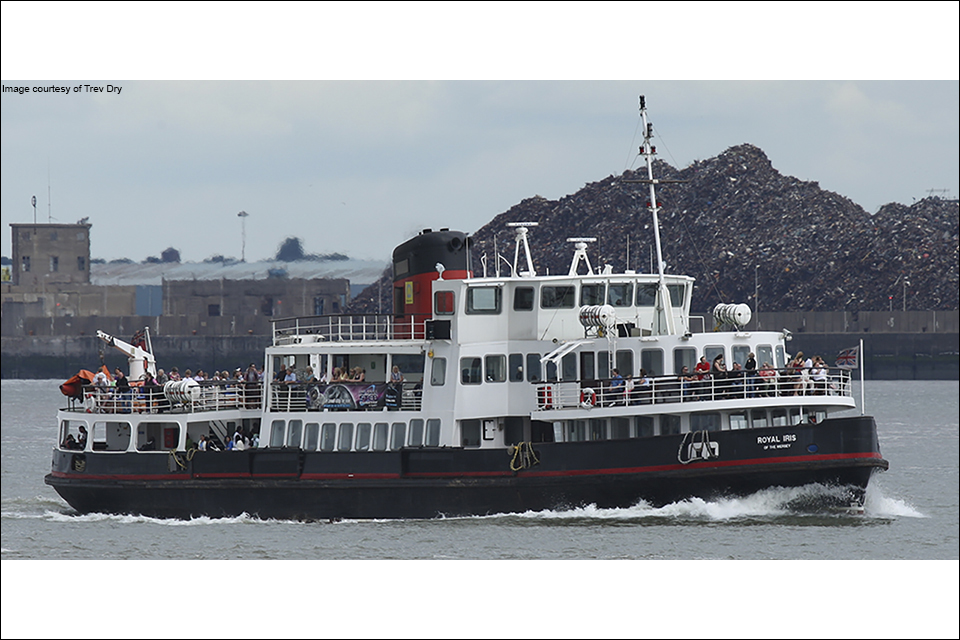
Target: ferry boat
[(503, 391)]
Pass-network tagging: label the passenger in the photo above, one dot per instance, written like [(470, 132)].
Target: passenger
[(310, 377), (395, 376), (291, 376), (281, 374), (188, 375), (255, 441), (202, 445), (616, 387), (688, 383), (175, 374), (750, 369), (123, 389), (794, 382), (150, 390), (818, 375), (767, 380), (82, 438), (251, 387), (162, 378), (645, 384), (238, 444), (702, 371), (718, 372), (359, 374), (150, 445), (69, 442), (629, 387), (735, 381)]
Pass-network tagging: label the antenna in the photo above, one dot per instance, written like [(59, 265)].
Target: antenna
[(33, 201), (522, 232), (580, 253)]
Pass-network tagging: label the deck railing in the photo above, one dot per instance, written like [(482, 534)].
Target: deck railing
[(344, 328), (345, 396), (209, 395), (672, 389)]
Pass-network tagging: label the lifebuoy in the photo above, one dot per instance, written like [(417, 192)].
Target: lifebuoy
[(89, 402), (588, 399)]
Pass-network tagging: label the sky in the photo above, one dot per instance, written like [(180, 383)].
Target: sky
[(353, 138)]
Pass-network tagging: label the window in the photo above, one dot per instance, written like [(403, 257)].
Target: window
[(363, 436), (416, 432), (781, 359), (312, 436), (470, 433), (645, 425), (276, 433), (496, 368), (115, 436), (328, 436), (483, 300), (707, 421), (795, 416), (652, 361), (433, 432), (346, 436), (576, 430), (398, 434), (598, 429), (591, 294), (318, 305), (625, 362), (740, 354), (443, 303), (470, 372), (587, 370), (523, 299), (294, 433), (561, 297), (647, 295), (778, 418), (669, 425), (401, 268), (603, 365), (380, 436), (682, 357), (676, 294), (515, 367), (738, 420), (712, 352), (619, 428), (438, 372), (759, 418), (568, 366), (25, 263), (213, 310), (81, 263), (764, 354), (266, 306), (620, 295), (533, 367)]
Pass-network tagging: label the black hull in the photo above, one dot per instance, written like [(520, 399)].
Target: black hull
[(426, 483)]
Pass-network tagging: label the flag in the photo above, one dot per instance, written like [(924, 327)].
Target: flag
[(849, 358), (140, 339)]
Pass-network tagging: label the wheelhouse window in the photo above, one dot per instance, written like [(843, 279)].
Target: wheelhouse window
[(515, 367), (533, 368), (558, 297), (443, 303), (647, 295), (523, 299), (438, 372), (496, 368), (591, 294), (677, 292), (682, 357), (620, 294), (484, 300), (625, 362), (470, 371)]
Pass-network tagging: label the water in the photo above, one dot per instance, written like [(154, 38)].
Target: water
[(911, 513)]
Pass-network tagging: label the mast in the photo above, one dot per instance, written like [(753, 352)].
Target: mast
[(647, 150)]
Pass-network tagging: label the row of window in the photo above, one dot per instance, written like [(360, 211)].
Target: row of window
[(589, 365), (667, 424), (347, 436), (489, 300), (54, 264)]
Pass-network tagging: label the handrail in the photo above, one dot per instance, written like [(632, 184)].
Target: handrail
[(349, 328), (211, 395), (672, 389)]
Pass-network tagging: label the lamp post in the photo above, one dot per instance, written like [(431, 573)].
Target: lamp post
[(905, 283), (243, 235)]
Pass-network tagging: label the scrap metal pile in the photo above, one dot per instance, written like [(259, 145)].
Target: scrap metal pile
[(738, 226)]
